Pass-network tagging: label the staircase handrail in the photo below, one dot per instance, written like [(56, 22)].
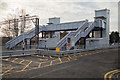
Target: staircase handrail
[(70, 33)]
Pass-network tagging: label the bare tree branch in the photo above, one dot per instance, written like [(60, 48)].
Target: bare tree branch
[(10, 30)]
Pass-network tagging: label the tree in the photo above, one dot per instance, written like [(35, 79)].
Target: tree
[(114, 37), (14, 29)]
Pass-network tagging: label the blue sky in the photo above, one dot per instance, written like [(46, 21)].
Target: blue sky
[(67, 10)]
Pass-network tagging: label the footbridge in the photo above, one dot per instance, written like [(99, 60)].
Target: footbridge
[(95, 34), (53, 27)]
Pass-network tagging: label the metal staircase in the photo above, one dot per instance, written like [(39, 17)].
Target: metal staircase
[(28, 35), (82, 31), (53, 27), (80, 26)]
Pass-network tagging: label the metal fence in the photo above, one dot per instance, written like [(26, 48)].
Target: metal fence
[(47, 52)]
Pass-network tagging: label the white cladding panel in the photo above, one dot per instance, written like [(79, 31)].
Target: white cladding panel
[(64, 26), (105, 13), (92, 43), (99, 13), (51, 42), (54, 20)]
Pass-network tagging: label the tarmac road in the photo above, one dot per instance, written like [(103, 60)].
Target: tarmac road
[(93, 64)]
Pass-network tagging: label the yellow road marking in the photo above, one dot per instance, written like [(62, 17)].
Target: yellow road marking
[(39, 56), (16, 62), (39, 65), (6, 65), (37, 62), (28, 61), (14, 59), (51, 57), (113, 74), (55, 60), (105, 76), (43, 59), (97, 52), (81, 55), (6, 59), (21, 61), (68, 59), (60, 60), (34, 68), (51, 62), (26, 66), (90, 53), (8, 70)]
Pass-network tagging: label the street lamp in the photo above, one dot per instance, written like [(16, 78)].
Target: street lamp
[(23, 31)]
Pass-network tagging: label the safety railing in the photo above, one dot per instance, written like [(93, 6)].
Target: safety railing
[(62, 42), (49, 52), (13, 42)]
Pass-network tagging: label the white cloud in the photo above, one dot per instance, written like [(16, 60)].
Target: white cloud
[(72, 10)]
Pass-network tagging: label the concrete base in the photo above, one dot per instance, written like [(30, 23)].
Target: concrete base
[(92, 43)]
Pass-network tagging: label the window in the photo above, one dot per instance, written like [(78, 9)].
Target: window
[(105, 24), (100, 23), (68, 40)]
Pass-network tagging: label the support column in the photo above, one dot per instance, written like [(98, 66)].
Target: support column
[(45, 39), (42, 34), (26, 43), (51, 34), (37, 33), (30, 43), (92, 34), (101, 32), (45, 34), (84, 42)]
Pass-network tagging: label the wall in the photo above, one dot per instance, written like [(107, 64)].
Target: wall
[(51, 42), (106, 14), (92, 43)]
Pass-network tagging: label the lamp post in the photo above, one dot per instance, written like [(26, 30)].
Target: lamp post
[(37, 32), (45, 39), (23, 26), (23, 32)]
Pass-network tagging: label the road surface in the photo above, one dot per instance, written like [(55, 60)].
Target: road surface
[(93, 64)]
